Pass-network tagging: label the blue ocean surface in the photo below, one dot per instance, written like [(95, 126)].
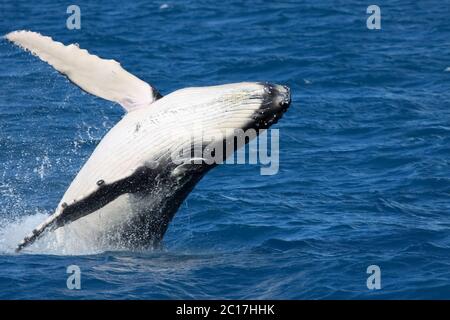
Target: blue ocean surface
[(364, 174)]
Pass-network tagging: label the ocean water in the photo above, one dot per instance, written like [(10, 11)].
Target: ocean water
[(364, 150)]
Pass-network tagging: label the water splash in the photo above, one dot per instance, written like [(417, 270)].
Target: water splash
[(68, 242), (12, 231)]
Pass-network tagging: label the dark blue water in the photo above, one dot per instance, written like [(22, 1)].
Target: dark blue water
[(364, 162)]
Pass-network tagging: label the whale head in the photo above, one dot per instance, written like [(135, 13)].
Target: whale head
[(213, 116)]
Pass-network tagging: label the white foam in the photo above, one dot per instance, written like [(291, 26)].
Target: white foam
[(13, 231)]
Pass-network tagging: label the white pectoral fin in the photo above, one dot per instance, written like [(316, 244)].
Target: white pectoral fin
[(100, 77)]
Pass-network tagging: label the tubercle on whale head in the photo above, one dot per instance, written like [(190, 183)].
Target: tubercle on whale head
[(277, 100)]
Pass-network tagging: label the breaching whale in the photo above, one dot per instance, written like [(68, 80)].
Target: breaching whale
[(128, 191)]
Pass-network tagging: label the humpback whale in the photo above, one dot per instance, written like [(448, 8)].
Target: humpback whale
[(130, 188)]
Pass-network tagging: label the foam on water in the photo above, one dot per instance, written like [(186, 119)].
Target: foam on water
[(13, 231)]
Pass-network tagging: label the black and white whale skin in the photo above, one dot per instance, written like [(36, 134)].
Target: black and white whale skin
[(130, 188)]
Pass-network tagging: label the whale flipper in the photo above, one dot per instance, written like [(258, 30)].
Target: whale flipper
[(100, 77), (140, 180)]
